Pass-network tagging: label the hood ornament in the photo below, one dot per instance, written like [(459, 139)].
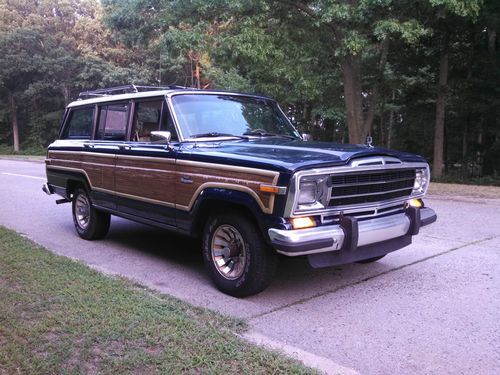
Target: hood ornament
[(369, 141)]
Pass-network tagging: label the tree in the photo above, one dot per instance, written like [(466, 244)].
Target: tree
[(20, 52), (51, 50), (445, 12)]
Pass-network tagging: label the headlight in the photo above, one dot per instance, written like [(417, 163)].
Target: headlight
[(421, 181), (313, 193), (308, 192)]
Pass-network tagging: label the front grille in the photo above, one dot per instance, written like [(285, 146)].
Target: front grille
[(371, 187), (365, 214)]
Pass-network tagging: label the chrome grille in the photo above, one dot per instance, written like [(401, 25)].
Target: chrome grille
[(370, 187), (364, 214)]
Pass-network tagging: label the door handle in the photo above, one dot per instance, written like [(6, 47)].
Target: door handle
[(186, 180), (88, 145), (125, 147)]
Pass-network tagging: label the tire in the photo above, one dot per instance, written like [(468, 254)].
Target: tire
[(371, 260), (90, 223), (236, 256)]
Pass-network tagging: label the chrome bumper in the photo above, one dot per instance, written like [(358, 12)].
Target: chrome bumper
[(350, 235)]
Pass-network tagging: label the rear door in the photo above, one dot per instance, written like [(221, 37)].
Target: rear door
[(99, 158)]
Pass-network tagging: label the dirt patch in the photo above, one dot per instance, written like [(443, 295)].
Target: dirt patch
[(457, 190)]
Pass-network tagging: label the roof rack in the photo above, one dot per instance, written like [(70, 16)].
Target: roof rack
[(124, 90)]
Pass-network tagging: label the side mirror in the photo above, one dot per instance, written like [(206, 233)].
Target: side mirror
[(306, 137), (161, 137)]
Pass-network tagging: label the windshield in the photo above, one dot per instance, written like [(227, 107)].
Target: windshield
[(215, 115)]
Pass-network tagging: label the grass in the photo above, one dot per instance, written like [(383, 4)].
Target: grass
[(484, 181), (29, 151), (457, 190), (59, 316)]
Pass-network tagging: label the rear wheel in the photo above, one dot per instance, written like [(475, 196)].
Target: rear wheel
[(371, 260), (90, 223), (236, 256)]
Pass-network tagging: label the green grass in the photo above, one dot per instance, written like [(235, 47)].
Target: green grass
[(30, 151), (59, 316), (484, 181)]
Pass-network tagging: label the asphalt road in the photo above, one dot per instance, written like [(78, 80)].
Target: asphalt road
[(433, 307)]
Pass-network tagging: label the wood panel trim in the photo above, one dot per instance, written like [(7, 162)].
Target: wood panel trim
[(79, 170), (90, 153), (147, 200), (230, 186), (146, 158), (231, 168), (145, 169), (115, 156), (244, 189), (113, 192)]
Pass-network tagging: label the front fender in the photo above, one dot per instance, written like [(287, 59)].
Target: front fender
[(216, 199)]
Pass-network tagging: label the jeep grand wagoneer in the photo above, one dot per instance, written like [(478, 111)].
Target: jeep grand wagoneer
[(231, 169)]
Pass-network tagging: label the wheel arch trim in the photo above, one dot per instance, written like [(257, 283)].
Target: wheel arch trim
[(226, 189)]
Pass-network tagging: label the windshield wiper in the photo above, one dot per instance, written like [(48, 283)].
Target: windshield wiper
[(215, 135), (261, 133)]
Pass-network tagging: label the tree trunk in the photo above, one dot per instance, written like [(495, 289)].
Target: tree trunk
[(437, 168), (14, 122), (391, 120), (351, 77), (381, 130), (382, 126), (492, 38), (358, 123), (465, 131), (308, 123), (67, 94), (197, 75)]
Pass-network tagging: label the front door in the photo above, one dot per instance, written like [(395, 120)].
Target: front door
[(144, 171)]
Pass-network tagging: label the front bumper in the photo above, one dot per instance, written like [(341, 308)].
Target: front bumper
[(351, 234)]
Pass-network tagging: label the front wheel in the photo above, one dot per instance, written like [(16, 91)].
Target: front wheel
[(90, 223), (236, 256)]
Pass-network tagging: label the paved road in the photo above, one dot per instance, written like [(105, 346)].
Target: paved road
[(431, 308)]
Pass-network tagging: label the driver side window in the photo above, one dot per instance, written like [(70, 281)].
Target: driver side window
[(148, 117)]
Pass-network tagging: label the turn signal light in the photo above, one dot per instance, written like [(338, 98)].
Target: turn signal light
[(416, 203), (268, 189), (303, 222), (280, 190)]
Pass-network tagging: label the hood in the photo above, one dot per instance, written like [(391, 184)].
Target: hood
[(284, 154)]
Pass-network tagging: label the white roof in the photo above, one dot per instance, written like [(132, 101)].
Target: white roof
[(149, 94)]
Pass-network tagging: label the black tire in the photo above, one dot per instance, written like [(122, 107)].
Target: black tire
[(254, 263), (90, 223), (371, 260)]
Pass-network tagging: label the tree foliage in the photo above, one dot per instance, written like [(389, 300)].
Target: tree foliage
[(50, 50), (417, 75)]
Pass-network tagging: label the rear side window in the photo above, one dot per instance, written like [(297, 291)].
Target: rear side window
[(112, 124), (79, 124)]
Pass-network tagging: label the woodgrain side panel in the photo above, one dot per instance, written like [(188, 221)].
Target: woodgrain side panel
[(99, 168), (164, 180), (147, 179), (206, 176)]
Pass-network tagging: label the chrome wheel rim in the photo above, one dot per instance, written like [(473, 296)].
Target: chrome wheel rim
[(228, 252), (82, 211)]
